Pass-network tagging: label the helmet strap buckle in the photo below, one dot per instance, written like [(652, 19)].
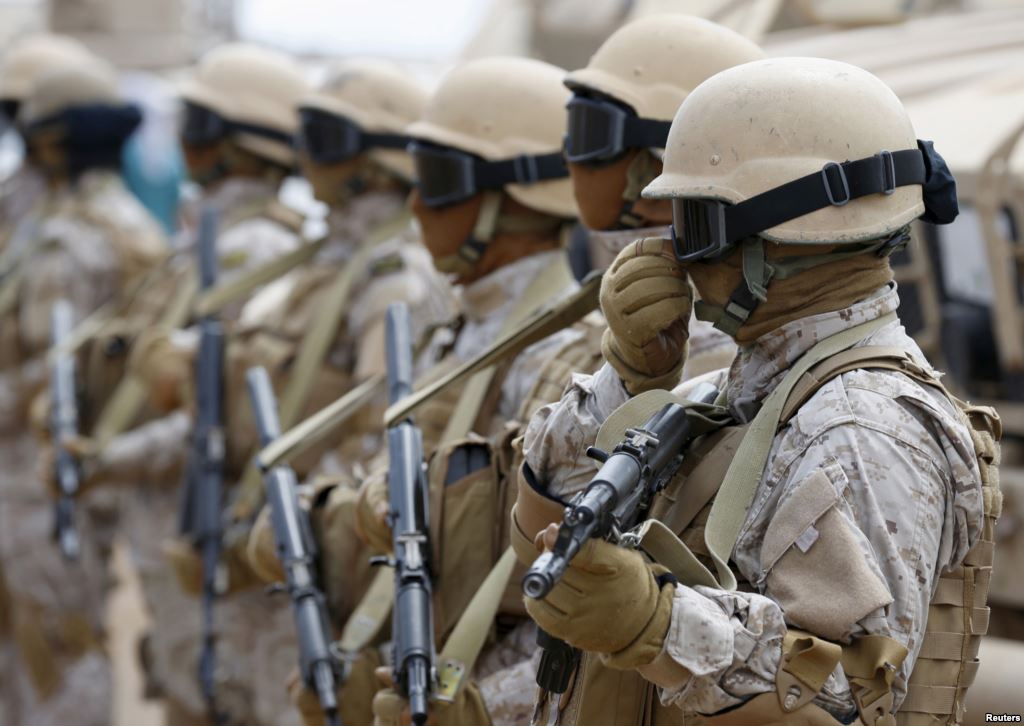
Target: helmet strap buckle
[(888, 172), (835, 198)]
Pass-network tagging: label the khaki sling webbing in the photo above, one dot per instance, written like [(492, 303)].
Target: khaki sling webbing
[(220, 295), (467, 639), (365, 622), (128, 398), (547, 321), (733, 500), (312, 350)]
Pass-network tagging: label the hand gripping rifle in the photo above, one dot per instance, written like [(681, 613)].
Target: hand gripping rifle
[(615, 501), (63, 426), (412, 622), (201, 509), (297, 551)]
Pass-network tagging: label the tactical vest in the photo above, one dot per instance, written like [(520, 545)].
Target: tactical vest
[(472, 485), (957, 618)]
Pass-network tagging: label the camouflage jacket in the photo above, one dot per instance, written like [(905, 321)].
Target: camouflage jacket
[(899, 459)]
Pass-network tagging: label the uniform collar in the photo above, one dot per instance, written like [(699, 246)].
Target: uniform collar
[(495, 294), (349, 225), (236, 193), (760, 366)]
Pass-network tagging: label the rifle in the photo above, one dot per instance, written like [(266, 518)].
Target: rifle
[(297, 551), (64, 425), (412, 623), (614, 502), (201, 508)]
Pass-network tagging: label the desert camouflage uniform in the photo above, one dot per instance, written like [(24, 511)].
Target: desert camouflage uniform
[(150, 459), (398, 269), (907, 487), (94, 237)]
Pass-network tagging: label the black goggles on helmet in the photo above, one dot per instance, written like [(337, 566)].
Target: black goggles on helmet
[(202, 126), (601, 131), (708, 228), (447, 176), (329, 138)]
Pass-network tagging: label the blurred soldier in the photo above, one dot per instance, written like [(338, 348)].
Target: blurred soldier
[(19, 194), (622, 105), (842, 452), (91, 242), (499, 233), (237, 128), (22, 64)]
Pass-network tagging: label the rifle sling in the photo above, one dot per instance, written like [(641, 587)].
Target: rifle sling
[(214, 299), (127, 400), (312, 350), (547, 321), (467, 639)]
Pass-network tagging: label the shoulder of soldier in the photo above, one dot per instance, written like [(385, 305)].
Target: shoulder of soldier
[(106, 202), (881, 401)]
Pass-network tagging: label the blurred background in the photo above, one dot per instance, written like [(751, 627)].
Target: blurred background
[(958, 65)]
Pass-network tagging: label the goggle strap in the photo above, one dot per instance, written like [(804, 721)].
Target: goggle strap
[(645, 133), (383, 141), (525, 169), (240, 127), (835, 185)]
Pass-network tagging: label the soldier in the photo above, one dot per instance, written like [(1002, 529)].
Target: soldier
[(238, 121), (19, 194), (852, 510), (622, 105), (91, 241), (22, 64), (498, 234)]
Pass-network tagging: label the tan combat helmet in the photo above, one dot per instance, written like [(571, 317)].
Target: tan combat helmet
[(652, 64), (250, 95), (627, 95), (506, 110), (78, 113), (93, 83), (30, 58), (363, 105), (799, 151)]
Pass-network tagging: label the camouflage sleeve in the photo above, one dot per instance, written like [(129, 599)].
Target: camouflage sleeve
[(76, 263), (887, 493), (153, 452), (558, 435)]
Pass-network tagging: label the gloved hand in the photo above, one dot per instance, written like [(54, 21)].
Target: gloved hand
[(83, 449), (647, 300), (261, 549), (390, 709), (608, 602), (372, 524), (354, 697)]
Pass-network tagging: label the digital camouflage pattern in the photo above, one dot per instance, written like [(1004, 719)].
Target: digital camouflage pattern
[(899, 460)]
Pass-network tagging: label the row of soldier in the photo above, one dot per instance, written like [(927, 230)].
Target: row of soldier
[(769, 206)]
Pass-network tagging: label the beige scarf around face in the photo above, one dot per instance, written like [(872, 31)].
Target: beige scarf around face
[(831, 286)]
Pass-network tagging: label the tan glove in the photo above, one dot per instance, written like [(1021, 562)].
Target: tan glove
[(80, 447), (608, 602), (390, 709), (166, 369), (261, 549), (647, 300), (372, 524)]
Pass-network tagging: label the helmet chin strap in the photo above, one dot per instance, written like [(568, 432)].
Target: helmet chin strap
[(489, 222), (642, 171), (758, 274)]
